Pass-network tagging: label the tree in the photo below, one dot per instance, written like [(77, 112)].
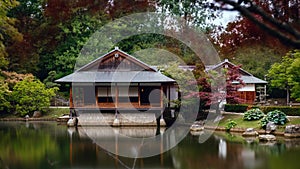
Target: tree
[(194, 12), (8, 31), (219, 86), (241, 35), (4, 97), (278, 18), (294, 71), (285, 75), (31, 95), (248, 56)]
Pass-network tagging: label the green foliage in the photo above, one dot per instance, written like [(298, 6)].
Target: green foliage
[(276, 116), (290, 111), (286, 74), (30, 95), (8, 31), (49, 81), (248, 56), (253, 114), (73, 34), (239, 108), (294, 71), (181, 77), (193, 12), (4, 97), (230, 124)]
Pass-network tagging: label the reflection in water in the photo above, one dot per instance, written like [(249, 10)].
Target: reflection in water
[(48, 145), (222, 149)]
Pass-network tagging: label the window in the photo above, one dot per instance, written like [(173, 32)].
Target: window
[(106, 94), (128, 94)]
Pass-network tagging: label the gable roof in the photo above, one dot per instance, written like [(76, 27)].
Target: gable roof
[(96, 72), (246, 77), (114, 53), (226, 62)]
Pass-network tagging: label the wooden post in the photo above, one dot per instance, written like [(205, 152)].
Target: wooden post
[(139, 95), (169, 96), (71, 98), (96, 96), (116, 96), (161, 96)]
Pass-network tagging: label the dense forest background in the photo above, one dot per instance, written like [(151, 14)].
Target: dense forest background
[(44, 37)]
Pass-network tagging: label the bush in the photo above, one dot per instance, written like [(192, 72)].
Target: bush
[(290, 111), (236, 107), (276, 116), (4, 97), (30, 95), (230, 124), (253, 114)]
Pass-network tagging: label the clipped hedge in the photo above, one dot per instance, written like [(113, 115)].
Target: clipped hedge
[(240, 108), (290, 111)]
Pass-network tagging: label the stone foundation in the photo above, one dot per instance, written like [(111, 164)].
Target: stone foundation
[(124, 119)]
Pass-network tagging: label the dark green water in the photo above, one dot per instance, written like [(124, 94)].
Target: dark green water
[(48, 145)]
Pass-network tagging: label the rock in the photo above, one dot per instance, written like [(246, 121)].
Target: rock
[(116, 122), (250, 139), (37, 114), (292, 131), (162, 122), (267, 137), (197, 133), (72, 122), (196, 127), (271, 127), (250, 132)]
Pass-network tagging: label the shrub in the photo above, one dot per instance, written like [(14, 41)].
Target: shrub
[(4, 97), (253, 114), (290, 111), (240, 108), (276, 116), (30, 95), (230, 124)]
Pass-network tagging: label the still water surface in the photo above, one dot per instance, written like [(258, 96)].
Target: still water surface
[(45, 145)]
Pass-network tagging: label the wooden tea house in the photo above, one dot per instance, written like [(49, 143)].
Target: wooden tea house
[(118, 81)]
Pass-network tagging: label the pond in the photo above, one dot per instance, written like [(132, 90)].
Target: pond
[(48, 145)]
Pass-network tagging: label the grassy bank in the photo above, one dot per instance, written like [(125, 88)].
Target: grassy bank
[(46, 113), (55, 112), (252, 124)]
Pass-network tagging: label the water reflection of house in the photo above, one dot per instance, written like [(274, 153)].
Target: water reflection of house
[(117, 81), (250, 92)]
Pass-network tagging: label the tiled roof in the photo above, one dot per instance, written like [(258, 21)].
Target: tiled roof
[(130, 76)]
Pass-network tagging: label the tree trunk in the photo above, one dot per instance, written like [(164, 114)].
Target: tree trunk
[(287, 95)]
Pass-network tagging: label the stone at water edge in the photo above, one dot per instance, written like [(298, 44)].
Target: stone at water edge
[(196, 127), (271, 127), (250, 132), (116, 122), (72, 122), (292, 131), (267, 137), (37, 114), (162, 122)]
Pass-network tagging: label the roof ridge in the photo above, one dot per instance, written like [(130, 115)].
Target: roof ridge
[(117, 49)]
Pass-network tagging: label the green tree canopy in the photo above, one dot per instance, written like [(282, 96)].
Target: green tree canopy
[(248, 56), (30, 95), (285, 75), (294, 72), (8, 31), (4, 97)]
